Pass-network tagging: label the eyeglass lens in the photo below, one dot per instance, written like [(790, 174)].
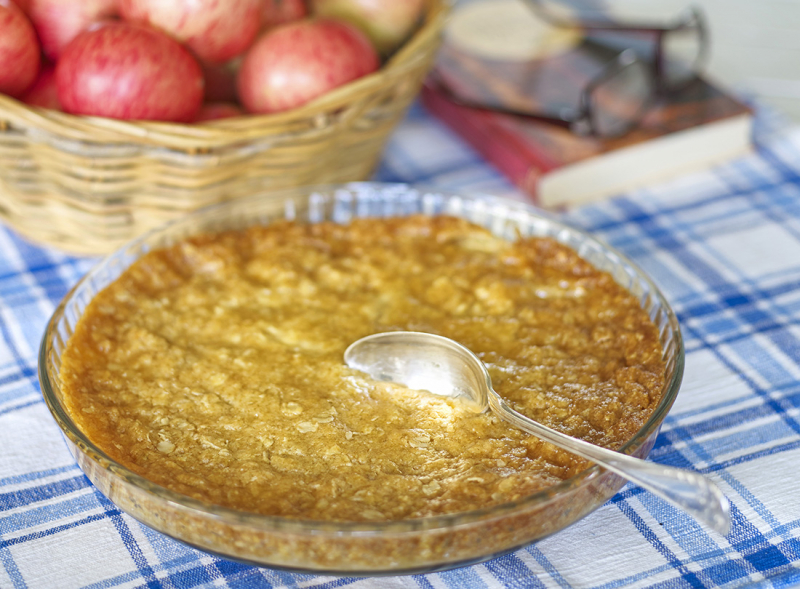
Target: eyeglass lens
[(617, 100)]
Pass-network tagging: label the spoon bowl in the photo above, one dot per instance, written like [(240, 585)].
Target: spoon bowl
[(423, 361), (443, 367)]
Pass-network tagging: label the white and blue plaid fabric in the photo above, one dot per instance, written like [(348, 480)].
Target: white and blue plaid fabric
[(725, 247)]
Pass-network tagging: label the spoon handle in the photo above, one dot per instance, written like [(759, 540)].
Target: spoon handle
[(685, 489)]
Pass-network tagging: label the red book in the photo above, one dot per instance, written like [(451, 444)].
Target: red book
[(684, 132)]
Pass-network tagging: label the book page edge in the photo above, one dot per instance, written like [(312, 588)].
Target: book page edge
[(615, 173)]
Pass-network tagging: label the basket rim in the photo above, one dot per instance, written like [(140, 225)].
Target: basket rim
[(15, 114)]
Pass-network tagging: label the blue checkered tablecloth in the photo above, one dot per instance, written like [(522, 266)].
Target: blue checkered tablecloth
[(725, 247)]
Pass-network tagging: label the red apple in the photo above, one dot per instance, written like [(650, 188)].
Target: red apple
[(43, 92), (212, 111), (387, 23), (19, 51), (23, 4), (129, 71), (296, 62), (60, 21), (279, 12), (215, 30)]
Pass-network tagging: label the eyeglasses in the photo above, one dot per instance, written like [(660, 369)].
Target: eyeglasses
[(609, 105), (676, 50), (640, 62)]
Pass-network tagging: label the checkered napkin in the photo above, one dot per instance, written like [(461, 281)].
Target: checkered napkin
[(724, 246)]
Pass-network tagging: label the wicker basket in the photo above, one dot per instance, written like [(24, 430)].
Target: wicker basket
[(89, 184)]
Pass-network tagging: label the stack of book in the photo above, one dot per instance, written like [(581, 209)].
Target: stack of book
[(682, 132)]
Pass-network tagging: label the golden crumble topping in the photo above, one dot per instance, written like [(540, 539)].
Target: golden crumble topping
[(214, 367)]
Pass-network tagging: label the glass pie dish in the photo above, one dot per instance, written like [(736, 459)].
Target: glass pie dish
[(358, 548)]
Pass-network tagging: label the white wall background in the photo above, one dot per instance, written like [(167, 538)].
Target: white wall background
[(755, 47)]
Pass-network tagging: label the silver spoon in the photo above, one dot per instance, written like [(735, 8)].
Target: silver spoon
[(424, 361)]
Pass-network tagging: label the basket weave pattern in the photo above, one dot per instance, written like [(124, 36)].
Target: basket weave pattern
[(89, 184)]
